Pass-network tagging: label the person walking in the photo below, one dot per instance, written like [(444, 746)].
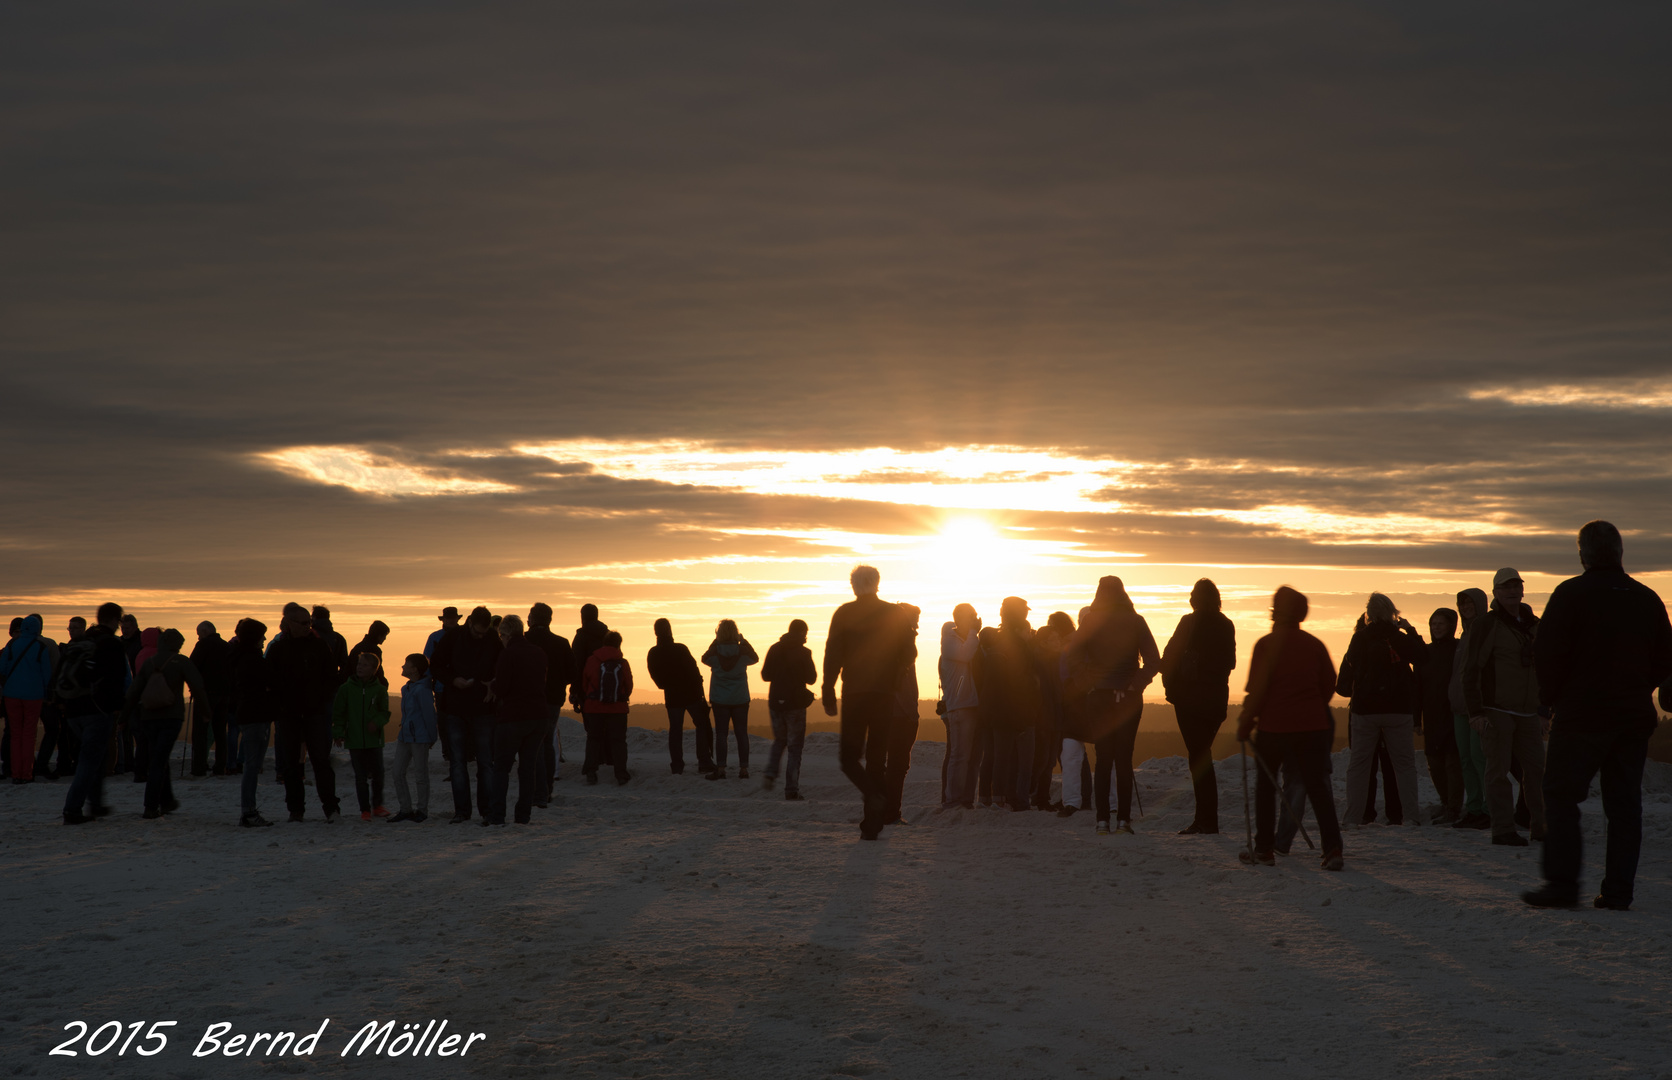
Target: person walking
[(960, 639), (1376, 675), (1196, 676), (1501, 695), (560, 663), (728, 660), (420, 729), (609, 689), (359, 713), (864, 651), (589, 638), (26, 672), (1290, 682), (1602, 648), (157, 699), (1007, 682), (519, 690), (210, 655), (253, 702), (1110, 661), (674, 671), (304, 679), (789, 672), (464, 666), (1439, 734), (92, 685)]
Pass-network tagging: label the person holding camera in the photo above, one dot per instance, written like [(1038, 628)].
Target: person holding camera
[(1376, 676)]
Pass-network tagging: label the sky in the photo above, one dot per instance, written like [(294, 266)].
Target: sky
[(686, 309)]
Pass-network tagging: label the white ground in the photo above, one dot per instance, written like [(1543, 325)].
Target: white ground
[(683, 928)]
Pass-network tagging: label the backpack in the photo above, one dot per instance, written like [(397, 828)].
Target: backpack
[(1380, 671), (609, 682), (75, 670), (157, 693)]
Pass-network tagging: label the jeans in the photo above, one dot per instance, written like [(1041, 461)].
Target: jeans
[(518, 739), (202, 731), (290, 735), (1383, 763), (545, 762), (1013, 766), (460, 733), (1523, 737), (1076, 774), (87, 789), (1116, 723), (160, 735), (1396, 728), (59, 737), (606, 743), (1200, 726), (961, 731), (252, 744), (409, 755), (24, 717), (862, 753), (1472, 761), (368, 776), (789, 731), (731, 717), (1305, 753), (1576, 757), (902, 736), (705, 736)]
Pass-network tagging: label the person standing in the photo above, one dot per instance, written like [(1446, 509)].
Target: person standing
[(674, 671), (433, 645), (92, 686), (419, 731), (519, 690), (359, 712), (1603, 647), (609, 689), (157, 699), (1048, 646), (560, 662), (1290, 682), (1439, 734), (1376, 675), (1110, 661), (589, 638), (464, 666), (335, 643), (26, 670), (1007, 682), (1471, 604), (960, 639), (253, 707), (304, 680), (58, 735), (788, 672), (1501, 695), (1196, 675), (210, 657), (728, 660), (376, 635), (902, 726), (865, 650)]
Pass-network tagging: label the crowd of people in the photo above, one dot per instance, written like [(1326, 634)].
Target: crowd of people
[(1502, 698)]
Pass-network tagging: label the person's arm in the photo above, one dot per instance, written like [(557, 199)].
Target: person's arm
[(1478, 656), (626, 681), (1259, 682), (832, 662), (1553, 645), (809, 673), (201, 708), (708, 655), (657, 667), (1177, 645), (1149, 655), (380, 709), (750, 656), (589, 680), (769, 670), (1326, 674)]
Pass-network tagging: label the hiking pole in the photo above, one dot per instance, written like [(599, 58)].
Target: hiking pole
[(1283, 803)]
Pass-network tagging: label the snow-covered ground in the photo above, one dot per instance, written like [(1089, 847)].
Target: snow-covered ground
[(685, 928)]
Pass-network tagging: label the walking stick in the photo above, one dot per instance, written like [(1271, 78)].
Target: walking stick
[(1283, 803)]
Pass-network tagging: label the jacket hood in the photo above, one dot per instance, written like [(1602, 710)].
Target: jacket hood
[(170, 641), (29, 631), (1482, 603), (1450, 618), (791, 639), (148, 638)]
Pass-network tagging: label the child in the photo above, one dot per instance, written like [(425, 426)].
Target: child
[(357, 718), (418, 733), (609, 685)]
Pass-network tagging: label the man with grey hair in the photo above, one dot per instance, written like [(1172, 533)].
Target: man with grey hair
[(868, 645), (1604, 645), (1501, 697)]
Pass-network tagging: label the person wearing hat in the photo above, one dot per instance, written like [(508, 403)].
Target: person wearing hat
[(449, 618), (1501, 698)]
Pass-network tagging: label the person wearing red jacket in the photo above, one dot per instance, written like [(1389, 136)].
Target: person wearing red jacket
[(609, 684)]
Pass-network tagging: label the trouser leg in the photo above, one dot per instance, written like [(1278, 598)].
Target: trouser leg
[(1472, 762), (529, 742), (1574, 758), (421, 761), (87, 789), (545, 755), (1073, 756), (1622, 802), (1359, 765), (798, 741), (1312, 753), (487, 767), (676, 738), (617, 730), (403, 761), (960, 752), (1398, 736), (317, 738), (1529, 747), (1498, 742), (902, 736), (160, 735), (24, 717), (595, 738), (863, 735), (704, 728), (1270, 748), (359, 761), (780, 741), (458, 738)]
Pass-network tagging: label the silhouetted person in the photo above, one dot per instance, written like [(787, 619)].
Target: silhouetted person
[(1381, 762), (609, 691), (58, 735), (1376, 677), (1471, 605), (1603, 647), (449, 619), (254, 699), (134, 722), (1290, 682), (560, 663), (158, 699), (519, 688), (1439, 733), (92, 688), (1113, 656), (902, 726), (1007, 680), (1049, 645), (359, 713), (789, 672), (865, 650), (728, 660), (675, 672), (304, 680), (376, 635), (211, 655), (1501, 693), (960, 639), (464, 667), (589, 638), (26, 670), (127, 738), (335, 643), (1196, 675)]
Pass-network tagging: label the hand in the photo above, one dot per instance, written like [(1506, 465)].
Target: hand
[(829, 705), (1478, 723), (489, 695), (461, 683), (1245, 729), (336, 742)]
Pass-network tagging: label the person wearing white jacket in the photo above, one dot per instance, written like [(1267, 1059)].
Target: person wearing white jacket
[(960, 639)]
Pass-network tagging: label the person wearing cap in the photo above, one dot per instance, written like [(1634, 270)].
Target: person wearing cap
[(1501, 697), (449, 619), (1604, 645)]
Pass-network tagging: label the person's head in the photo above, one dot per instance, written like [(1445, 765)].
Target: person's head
[(449, 617), (911, 613), (964, 618), (251, 632), (1060, 624), (378, 632), (205, 630), (612, 640), (1442, 624), (1471, 605), (539, 616), (798, 631), (1289, 607), (169, 641), (480, 621), (16, 625), (510, 628), (664, 630), (322, 617), (726, 632), (1379, 608), (1013, 610), (295, 621), (77, 628), (416, 666), (1111, 593), (130, 625), (1508, 589), (589, 613), (1600, 546), (865, 580), (108, 616), (366, 664), (1204, 596)]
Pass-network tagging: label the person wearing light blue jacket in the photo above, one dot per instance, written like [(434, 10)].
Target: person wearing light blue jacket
[(419, 732), (26, 670), (728, 661)]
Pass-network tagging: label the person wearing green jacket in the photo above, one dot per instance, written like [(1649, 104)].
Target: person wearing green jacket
[(358, 714)]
